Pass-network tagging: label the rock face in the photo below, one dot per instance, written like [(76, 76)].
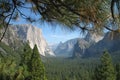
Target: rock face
[(110, 42), (93, 37), (77, 47), (80, 47), (83, 44), (11, 38), (30, 34), (65, 49)]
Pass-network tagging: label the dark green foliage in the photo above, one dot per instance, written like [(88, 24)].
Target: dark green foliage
[(70, 69), (7, 51), (7, 68), (24, 69), (26, 56), (13, 68), (37, 68), (81, 69), (105, 71), (30, 66), (118, 72)]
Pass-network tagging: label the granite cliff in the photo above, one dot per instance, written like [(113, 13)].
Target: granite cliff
[(27, 33)]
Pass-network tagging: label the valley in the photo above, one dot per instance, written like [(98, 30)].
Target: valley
[(74, 69), (75, 59), (59, 40)]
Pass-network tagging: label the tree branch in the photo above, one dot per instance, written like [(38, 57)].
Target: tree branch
[(6, 27)]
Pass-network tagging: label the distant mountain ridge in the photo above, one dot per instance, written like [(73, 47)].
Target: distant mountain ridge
[(93, 37), (110, 42), (90, 46), (80, 47), (65, 49), (30, 34), (77, 47)]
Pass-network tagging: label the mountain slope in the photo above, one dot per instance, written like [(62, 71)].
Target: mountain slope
[(65, 49), (80, 47), (30, 34), (83, 44), (77, 47), (110, 42)]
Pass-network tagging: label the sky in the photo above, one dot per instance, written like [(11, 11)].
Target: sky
[(53, 34)]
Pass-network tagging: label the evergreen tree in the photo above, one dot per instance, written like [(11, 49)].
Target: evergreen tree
[(26, 57), (26, 61), (19, 74), (105, 71), (37, 68), (118, 71), (7, 69)]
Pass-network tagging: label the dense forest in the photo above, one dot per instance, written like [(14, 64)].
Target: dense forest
[(26, 64), (23, 64), (102, 68)]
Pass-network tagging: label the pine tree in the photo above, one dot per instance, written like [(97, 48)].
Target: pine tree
[(26, 61), (27, 55), (19, 74), (118, 71), (7, 68), (105, 71), (37, 68)]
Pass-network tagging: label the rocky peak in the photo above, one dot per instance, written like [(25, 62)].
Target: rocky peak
[(93, 37), (80, 47), (33, 35), (110, 42), (83, 44), (65, 49)]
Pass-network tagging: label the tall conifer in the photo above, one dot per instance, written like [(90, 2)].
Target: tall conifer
[(106, 70), (37, 68)]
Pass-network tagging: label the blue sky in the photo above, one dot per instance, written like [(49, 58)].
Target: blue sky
[(56, 34), (52, 33)]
